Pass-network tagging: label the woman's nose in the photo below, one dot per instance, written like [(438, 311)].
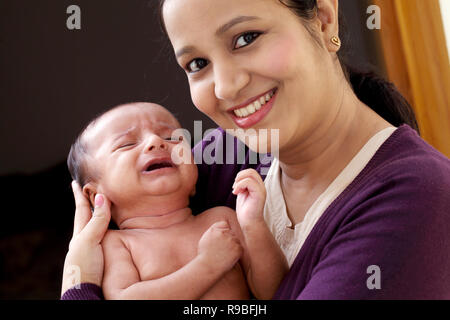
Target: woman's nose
[(229, 80)]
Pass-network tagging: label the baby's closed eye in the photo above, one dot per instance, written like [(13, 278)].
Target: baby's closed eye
[(174, 139), (125, 145)]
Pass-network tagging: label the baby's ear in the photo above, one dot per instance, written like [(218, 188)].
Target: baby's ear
[(192, 192), (90, 191)]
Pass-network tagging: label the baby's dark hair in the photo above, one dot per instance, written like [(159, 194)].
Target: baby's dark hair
[(78, 154)]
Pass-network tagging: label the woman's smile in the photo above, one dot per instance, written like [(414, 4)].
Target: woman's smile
[(254, 110)]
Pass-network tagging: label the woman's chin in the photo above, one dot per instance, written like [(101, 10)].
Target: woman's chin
[(261, 143)]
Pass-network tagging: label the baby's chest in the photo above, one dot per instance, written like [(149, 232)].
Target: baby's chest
[(160, 255)]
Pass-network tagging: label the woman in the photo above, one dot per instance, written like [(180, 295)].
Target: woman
[(366, 210)]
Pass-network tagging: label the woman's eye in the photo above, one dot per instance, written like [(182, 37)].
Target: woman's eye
[(246, 39), (196, 65)]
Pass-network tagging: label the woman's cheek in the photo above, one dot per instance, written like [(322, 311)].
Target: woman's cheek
[(279, 58), (202, 96)]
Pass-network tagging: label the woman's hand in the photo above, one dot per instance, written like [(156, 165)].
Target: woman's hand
[(84, 261), (251, 196)]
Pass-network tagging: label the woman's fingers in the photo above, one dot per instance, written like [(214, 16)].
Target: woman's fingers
[(82, 210), (85, 254), (95, 229)]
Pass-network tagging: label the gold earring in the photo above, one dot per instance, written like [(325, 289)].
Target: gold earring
[(336, 41)]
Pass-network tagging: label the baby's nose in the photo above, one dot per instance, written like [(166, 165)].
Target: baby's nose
[(156, 143)]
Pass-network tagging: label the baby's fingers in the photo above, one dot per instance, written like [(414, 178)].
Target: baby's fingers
[(221, 225), (249, 173), (248, 185)]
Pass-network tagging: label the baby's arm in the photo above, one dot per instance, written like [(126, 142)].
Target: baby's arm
[(263, 259), (218, 251)]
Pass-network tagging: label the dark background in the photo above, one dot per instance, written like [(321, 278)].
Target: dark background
[(54, 80)]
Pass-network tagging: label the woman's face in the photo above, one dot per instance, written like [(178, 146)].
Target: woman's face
[(252, 64)]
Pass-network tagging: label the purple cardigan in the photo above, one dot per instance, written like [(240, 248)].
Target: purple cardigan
[(387, 236)]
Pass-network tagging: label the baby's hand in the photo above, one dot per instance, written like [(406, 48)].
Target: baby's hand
[(220, 246), (251, 196)]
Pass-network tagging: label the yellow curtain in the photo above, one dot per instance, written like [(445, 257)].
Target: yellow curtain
[(415, 53)]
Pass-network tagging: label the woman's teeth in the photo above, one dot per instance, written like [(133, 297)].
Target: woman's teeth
[(254, 106)]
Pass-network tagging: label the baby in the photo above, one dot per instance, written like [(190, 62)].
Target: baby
[(161, 250)]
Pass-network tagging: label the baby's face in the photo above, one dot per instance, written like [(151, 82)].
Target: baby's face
[(137, 162)]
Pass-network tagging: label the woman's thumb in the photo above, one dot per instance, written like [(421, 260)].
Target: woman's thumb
[(97, 226)]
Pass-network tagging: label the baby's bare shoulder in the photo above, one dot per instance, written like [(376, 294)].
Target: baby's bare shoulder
[(218, 213), (114, 238)]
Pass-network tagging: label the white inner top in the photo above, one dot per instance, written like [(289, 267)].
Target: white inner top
[(291, 239)]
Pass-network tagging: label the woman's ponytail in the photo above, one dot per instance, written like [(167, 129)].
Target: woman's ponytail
[(382, 97)]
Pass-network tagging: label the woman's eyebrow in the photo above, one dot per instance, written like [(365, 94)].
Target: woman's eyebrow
[(184, 50), (234, 22), (222, 29)]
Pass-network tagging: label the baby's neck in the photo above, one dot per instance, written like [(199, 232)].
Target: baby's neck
[(157, 221)]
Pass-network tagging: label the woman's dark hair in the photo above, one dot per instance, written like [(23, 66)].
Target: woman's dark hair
[(377, 93)]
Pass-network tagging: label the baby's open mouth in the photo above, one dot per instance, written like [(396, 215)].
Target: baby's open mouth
[(156, 166), (157, 163)]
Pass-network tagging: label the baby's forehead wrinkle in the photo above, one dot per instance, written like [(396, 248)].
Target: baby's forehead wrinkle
[(124, 133), (156, 113), (166, 119), (168, 125), (158, 118), (154, 126)]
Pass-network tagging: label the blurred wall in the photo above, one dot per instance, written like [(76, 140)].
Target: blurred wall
[(445, 11)]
